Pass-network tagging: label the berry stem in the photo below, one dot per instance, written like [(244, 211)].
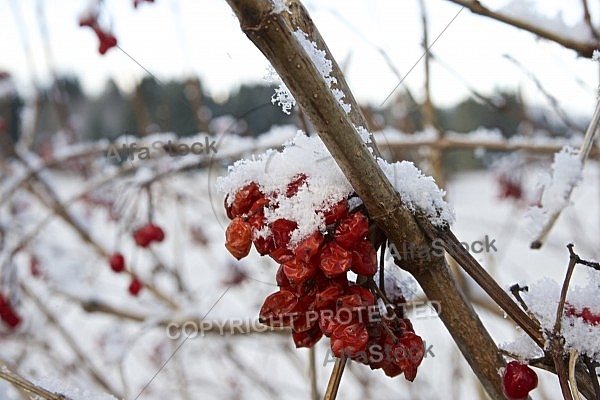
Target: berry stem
[(335, 379)]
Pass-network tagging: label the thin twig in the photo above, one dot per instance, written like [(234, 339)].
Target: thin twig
[(29, 386), (312, 373), (556, 346), (335, 379), (572, 362)]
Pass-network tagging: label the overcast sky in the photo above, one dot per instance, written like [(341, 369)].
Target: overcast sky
[(172, 39)]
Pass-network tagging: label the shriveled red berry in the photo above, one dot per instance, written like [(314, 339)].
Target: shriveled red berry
[(352, 229), (299, 271), (264, 244), (277, 307), (117, 262), (238, 238), (334, 260), (409, 352), (281, 255), (244, 199), (349, 339), (309, 247), (135, 286), (518, 380), (282, 230), (338, 211), (364, 258), (327, 297), (307, 338)]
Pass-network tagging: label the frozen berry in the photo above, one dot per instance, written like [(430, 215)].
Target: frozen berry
[(238, 238), (117, 262), (518, 380)]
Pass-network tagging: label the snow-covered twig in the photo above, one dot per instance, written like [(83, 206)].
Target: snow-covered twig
[(584, 152), (29, 386)]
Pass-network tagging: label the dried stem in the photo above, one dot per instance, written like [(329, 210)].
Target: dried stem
[(335, 379), (556, 344)]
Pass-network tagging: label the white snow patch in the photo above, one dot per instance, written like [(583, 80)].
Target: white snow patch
[(324, 66), (325, 185), (542, 299), (58, 386), (280, 6), (418, 191), (566, 174)]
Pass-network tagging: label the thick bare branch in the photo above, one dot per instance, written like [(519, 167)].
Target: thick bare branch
[(273, 34)]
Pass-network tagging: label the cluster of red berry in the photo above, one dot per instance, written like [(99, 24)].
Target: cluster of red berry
[(143, 237), (518, 380), (8, 314), (107, 39), (315, 297)]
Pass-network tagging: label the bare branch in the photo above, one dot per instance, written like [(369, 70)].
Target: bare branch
[(583, 48)]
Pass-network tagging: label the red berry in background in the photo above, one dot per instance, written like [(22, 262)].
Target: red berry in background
[(156, 232), (518, 380), (117, 262), (10, 318), (135, 286), (107, 41), (7, 314), (147, 234), (238, 238), (142, 236), (34, 266), (351, 230), (334, 260)]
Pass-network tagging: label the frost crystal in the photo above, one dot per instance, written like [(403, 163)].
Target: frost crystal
[(282, 97), (324, 66)]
